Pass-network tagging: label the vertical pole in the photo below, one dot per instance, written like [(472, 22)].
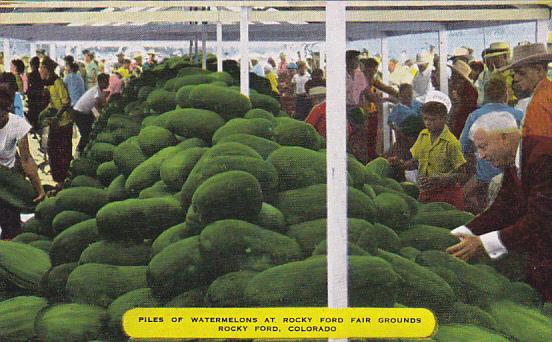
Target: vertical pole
[(541, 31), (203, 48), (443, 50), (244, 51), (336, 158), (53, 53), (32, 50), (191, 50), (196, 50), (7, 55), (219, 45), (67, 50), (385, 59), (323, 57), (385, 108)]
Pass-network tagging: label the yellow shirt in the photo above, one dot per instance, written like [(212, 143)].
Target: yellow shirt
[(124, 72), (59, 97), (273, 81), (442, 156)]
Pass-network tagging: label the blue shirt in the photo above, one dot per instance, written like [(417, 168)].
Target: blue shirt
[(401, 112), (75, 86), (485, 171), (18, 108)]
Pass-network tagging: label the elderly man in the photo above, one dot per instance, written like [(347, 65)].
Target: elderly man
[(520, 218), (476, 190)]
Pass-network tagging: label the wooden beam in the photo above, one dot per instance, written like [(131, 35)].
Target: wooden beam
[(282, 16), (274, 4)]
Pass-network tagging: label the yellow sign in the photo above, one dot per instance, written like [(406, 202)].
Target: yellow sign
[(251, 323)]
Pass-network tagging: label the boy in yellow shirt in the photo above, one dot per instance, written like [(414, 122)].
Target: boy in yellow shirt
[(438, 154)]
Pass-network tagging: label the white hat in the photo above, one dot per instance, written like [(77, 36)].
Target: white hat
[(151, 52), (460, 52), (267, 68), (424, 57), (437, 96)]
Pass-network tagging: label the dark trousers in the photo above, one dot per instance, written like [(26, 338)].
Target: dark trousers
[(60, 151), (10, 221), (302, 107), (84, 123)]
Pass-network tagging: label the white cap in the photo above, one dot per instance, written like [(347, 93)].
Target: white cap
[(437, 96)]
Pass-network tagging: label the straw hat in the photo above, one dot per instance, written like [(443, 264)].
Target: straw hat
[(151, 52), (462, 68), (424, 57), (460, 52), (496, 49), (529, 54), (437, 96)]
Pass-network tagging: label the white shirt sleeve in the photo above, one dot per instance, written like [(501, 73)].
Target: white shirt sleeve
[(490, 241), (492, 244), (462, 230)]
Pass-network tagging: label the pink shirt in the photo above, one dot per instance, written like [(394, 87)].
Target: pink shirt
[(355, 86), (25, 80), (115, 85)]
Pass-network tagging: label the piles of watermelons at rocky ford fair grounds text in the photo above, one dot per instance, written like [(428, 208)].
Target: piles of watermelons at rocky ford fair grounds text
[(193, 195)]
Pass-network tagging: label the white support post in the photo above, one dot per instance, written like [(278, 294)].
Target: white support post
[(385, 109), (203, 48), (32, 50), (68, 50), (219, 45), (541, 31), (7, 55), (443, 50), (244, 51), (323, 57), (53, 52), (196, 50), (336, 157)]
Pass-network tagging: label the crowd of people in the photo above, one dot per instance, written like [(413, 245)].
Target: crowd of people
[(493, 130), (485, 147), (44, 100)]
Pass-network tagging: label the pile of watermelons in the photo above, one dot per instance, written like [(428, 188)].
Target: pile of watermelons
[(193, 195)]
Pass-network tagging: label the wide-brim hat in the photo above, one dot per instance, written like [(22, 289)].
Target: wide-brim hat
[(151, 52), (424, 57), (120, 54), (529, 54), (462, 68), (460, 52), (497, 49)]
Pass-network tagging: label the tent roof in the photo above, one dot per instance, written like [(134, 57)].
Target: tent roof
[(270, 20)]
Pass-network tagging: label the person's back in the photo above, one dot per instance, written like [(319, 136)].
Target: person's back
[(74, 83)]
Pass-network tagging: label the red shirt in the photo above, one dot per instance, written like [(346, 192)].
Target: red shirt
[(317, 119)]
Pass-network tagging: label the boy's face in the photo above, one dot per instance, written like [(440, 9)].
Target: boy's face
[(434, 122)]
